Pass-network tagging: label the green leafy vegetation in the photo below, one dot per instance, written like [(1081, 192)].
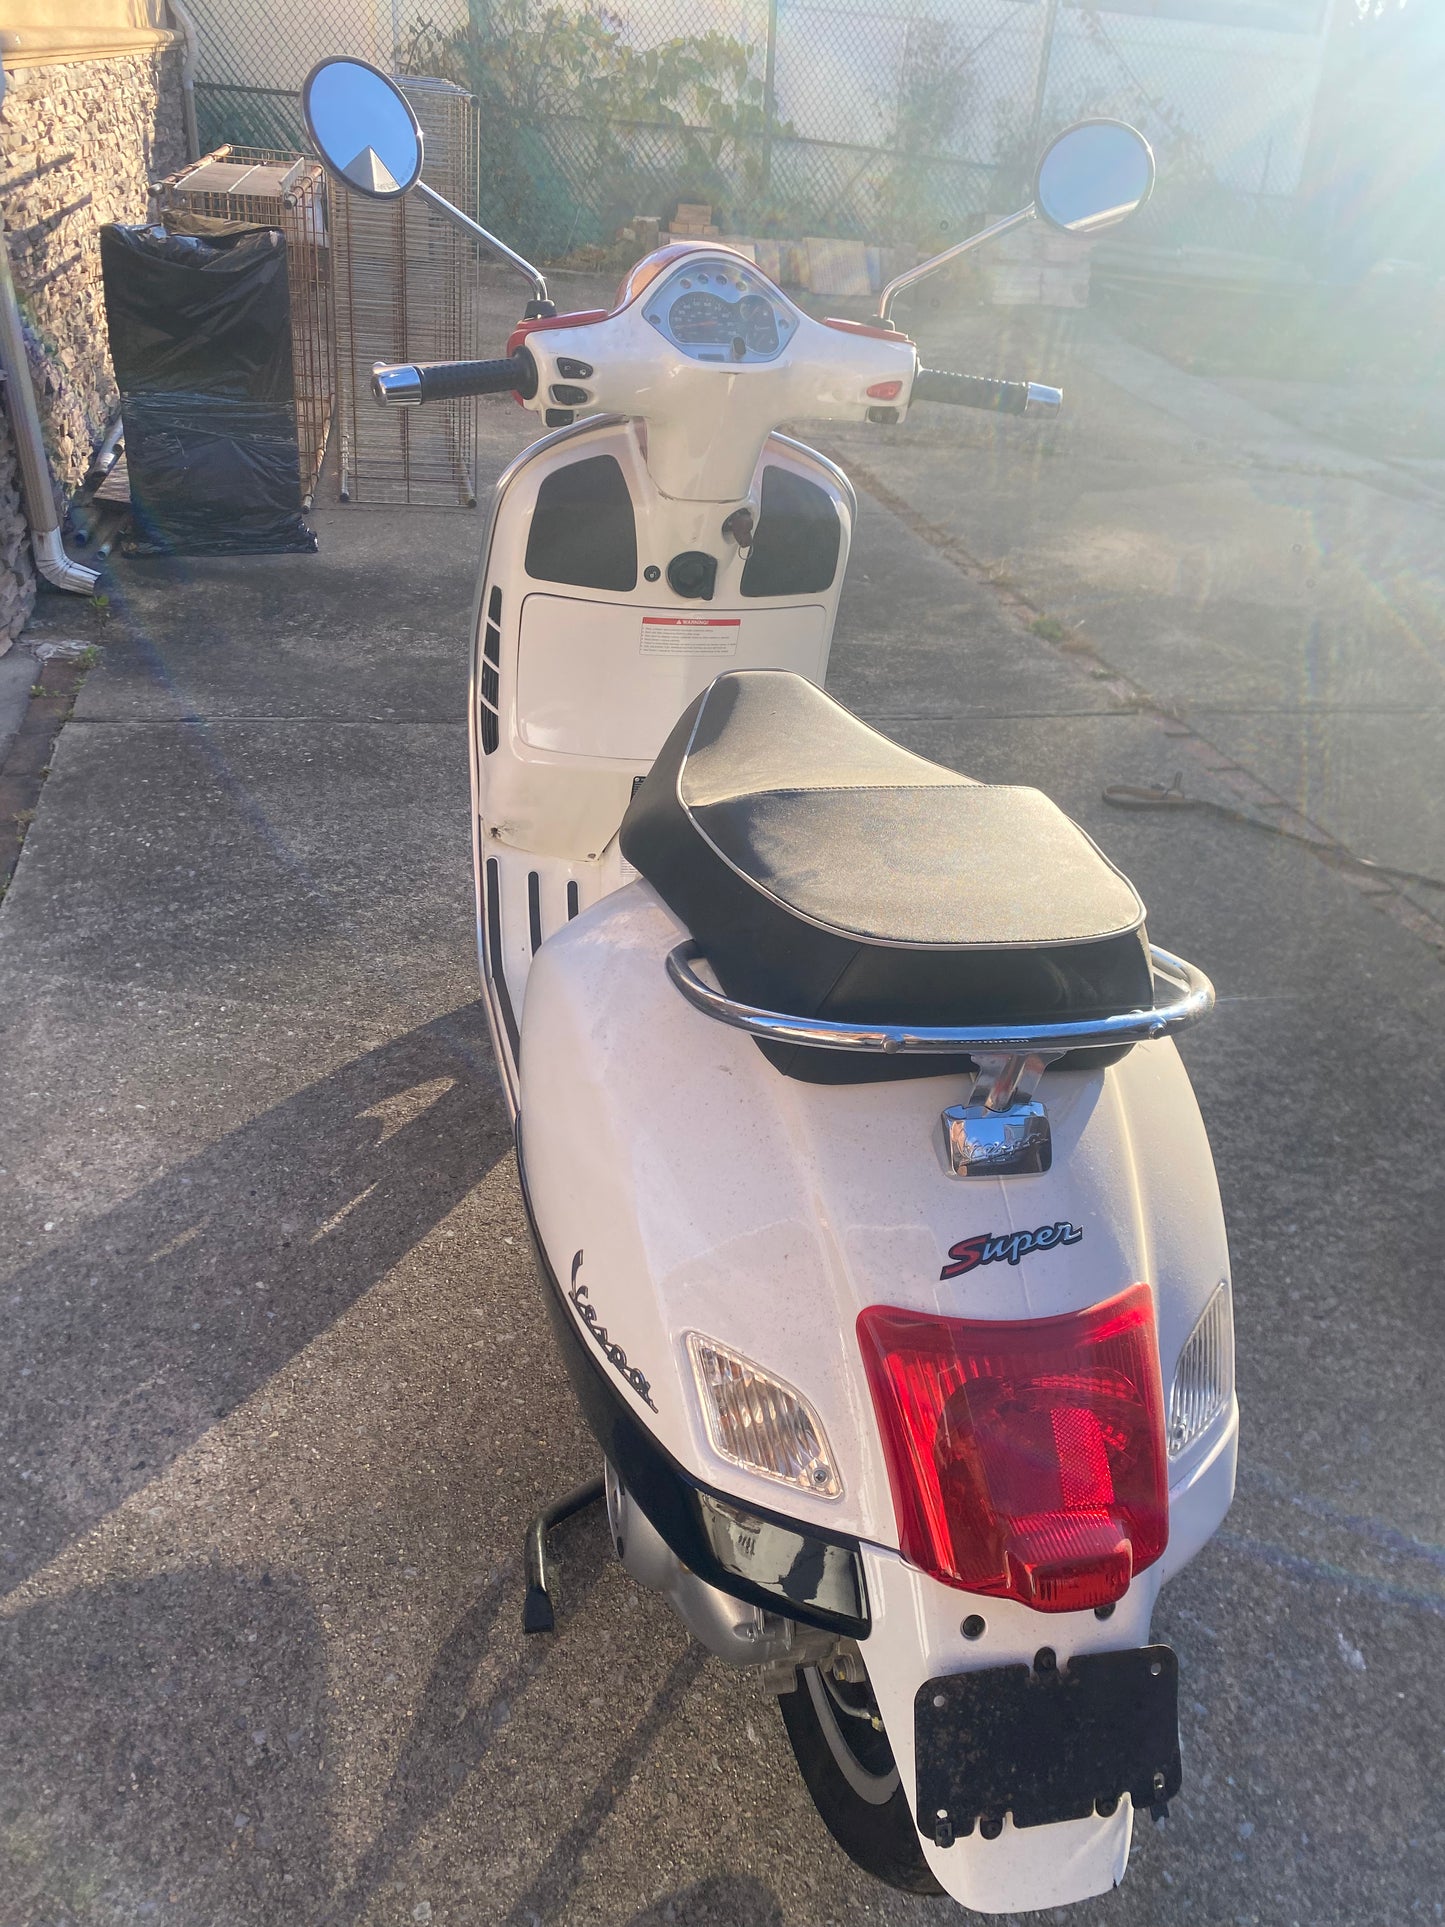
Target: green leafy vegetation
[(629, 130)]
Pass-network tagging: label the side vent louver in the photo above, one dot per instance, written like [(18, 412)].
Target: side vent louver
[(491, 685)]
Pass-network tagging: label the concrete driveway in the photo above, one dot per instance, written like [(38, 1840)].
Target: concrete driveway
[(279, 1397)]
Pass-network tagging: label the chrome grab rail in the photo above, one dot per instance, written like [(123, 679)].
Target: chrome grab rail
[(1127, 1027)]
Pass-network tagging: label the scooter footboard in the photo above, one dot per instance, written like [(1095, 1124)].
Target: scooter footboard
[(992, 1863)]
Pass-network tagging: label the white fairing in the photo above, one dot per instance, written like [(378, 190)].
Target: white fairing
[(589, 682), (707, 424), (709, 1193), (592, 680)]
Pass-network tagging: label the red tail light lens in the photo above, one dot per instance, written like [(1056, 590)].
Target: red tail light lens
[(1026, 1458)]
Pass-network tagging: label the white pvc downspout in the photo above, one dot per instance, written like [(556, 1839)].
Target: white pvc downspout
[(188, 76), (50, 557)]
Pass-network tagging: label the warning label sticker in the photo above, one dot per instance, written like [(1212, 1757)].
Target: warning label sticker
[(690, 635)]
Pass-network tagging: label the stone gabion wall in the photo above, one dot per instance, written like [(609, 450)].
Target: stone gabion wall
[(17, 571), (80, 145)]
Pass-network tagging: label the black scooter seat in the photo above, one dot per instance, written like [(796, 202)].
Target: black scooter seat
[(827, 872)]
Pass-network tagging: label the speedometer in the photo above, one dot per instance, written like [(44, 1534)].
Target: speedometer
[(701, 317), (759, 324), (719, 308)]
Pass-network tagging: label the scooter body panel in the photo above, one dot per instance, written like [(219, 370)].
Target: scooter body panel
[(680, 1184), (709, 413), (576, 684), (710, 1193), (916, 1638)]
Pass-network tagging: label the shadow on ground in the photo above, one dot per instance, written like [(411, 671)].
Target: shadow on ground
[(165, 1313)]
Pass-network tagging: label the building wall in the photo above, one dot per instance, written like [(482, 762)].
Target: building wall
[(80, 143), (17, 571)]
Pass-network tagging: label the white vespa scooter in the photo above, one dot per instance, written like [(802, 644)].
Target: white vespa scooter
[(876, 1217)]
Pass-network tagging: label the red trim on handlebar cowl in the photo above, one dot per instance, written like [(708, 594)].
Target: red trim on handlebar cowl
[(583, 318), (873, 328)]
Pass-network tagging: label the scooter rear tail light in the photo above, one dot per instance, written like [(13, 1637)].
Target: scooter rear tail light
[(758, 1421), (1204, 1377), (1026, 1458)]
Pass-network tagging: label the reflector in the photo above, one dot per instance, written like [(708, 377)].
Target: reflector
[(1026, 1457), (784, 1558)]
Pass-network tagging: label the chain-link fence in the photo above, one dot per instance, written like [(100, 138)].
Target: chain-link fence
[(895, 121)]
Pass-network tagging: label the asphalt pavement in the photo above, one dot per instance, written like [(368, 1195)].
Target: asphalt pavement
[(279, 1394)]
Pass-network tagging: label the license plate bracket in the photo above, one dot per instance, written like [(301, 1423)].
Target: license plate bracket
[(1046, 1743)]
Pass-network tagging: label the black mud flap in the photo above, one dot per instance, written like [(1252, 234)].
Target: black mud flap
[(1047, 1744)]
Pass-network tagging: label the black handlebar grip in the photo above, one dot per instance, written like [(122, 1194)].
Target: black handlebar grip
[(971, 391), (452, 380)]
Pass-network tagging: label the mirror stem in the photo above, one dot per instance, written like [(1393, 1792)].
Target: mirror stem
[(488, 241), (935, 262)]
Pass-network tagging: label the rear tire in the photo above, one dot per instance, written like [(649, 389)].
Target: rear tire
[(848, 1767)]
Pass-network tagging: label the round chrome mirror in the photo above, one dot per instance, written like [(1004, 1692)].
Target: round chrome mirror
[(362, 126), (1094, 175)]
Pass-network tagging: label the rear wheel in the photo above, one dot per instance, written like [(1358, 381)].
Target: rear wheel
[(848, 1767)]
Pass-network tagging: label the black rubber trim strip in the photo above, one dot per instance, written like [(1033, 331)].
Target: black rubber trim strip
[(494, 954), (534, 910), (663, 1489)]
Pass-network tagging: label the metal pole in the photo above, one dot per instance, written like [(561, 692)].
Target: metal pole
[(769, 107), (925, 268), (35, 483), (1041, 87), (488, 241)]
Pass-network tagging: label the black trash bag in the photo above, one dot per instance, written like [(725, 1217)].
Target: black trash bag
[(212, 476), (200, 335), (200, 314)]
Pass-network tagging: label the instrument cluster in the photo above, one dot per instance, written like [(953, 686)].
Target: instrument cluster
[(720, 310)]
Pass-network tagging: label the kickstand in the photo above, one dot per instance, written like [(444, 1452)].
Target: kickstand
[(538, 1615)]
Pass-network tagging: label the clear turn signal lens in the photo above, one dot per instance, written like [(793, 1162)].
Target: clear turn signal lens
[(757, 1421), (1204, 1377)]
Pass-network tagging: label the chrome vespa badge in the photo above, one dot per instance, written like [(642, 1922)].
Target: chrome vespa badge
[(1003, 1129)]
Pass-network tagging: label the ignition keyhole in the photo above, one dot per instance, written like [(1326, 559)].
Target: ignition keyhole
[(739, 528)]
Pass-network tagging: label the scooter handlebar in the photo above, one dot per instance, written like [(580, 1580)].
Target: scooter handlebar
[(408, 384), (978, 391)]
